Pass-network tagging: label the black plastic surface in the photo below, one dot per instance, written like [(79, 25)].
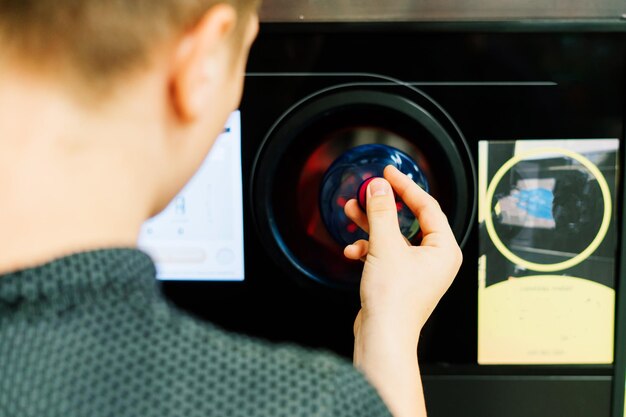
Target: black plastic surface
[(619, 381), (496, 83), (517, 396)]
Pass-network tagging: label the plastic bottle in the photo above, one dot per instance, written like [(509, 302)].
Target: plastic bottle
[(348, 178)]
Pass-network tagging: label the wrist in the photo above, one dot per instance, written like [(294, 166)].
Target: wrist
[(384, 340), (404, 329)]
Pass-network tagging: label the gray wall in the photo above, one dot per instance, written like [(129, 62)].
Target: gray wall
[(438, 10)]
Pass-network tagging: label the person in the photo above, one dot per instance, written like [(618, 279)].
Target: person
[(106, 110)]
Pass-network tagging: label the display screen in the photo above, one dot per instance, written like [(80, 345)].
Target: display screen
[(547, 251), (199, 236)]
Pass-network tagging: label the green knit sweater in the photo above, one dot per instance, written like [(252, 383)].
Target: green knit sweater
[(89, 335)]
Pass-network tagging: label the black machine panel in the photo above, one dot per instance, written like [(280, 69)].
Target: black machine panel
[(315, 90)]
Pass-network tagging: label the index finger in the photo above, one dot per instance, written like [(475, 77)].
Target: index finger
[(432, 220)]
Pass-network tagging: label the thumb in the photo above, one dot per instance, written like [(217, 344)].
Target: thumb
[(382, 214)]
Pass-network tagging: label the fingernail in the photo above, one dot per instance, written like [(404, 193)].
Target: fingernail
[(379, 187)]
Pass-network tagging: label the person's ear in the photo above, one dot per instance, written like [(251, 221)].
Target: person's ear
[(199, 61)]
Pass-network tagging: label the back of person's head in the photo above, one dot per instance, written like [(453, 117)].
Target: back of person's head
[(115, 101), (98, 40)]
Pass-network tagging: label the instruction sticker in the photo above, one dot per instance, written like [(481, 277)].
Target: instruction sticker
[(547, 251)]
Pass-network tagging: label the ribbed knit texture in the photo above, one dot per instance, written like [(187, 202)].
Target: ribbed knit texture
[(89, 335)]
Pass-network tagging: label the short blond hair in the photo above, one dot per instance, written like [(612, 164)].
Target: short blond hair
[(99, 39)]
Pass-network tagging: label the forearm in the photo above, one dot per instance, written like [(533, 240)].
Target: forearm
[(390, 363)]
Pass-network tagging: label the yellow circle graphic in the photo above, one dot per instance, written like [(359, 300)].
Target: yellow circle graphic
[(604, 227)]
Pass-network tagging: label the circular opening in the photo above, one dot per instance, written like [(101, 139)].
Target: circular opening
[(297, 154)]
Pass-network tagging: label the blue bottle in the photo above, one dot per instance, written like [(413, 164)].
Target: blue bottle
[(348, 178)]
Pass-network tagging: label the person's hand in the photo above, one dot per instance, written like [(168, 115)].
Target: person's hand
[(402, 283), (400, 287)]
